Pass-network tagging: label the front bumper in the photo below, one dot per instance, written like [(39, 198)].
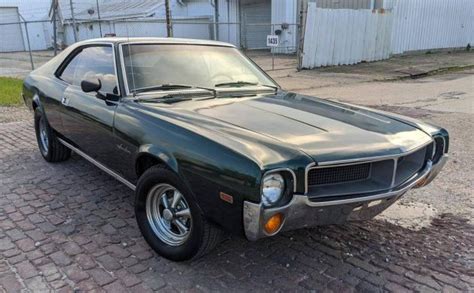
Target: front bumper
[(301, 212)]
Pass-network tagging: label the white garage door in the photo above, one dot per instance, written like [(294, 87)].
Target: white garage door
[(257, 17), (11, 36)]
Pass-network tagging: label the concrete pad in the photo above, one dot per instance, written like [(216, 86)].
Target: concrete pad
[(413, 216), (433, 95)]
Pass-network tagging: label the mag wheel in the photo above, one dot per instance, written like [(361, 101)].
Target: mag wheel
[(168, 214), (169, 218)]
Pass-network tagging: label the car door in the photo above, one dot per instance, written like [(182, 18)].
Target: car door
[(87, 120)]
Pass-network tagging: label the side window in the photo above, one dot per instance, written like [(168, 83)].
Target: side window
[(93, 62)]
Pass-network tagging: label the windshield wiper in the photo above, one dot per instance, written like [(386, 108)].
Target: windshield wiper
[(168, 99), (169, 87), (244, 83)]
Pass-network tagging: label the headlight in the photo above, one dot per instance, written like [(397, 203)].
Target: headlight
[(273, 187)]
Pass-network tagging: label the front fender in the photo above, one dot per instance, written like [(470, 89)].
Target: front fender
[(160, 154)]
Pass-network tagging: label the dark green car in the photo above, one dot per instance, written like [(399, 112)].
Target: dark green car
[(210, 143)]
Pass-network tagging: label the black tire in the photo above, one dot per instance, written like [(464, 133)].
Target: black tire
[(53, 150), (203, 236)]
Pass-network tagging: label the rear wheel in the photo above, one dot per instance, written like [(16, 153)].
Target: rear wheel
[(169, 218), (50, 147)]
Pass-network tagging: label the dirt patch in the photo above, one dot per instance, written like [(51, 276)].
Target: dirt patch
[(417, 113)]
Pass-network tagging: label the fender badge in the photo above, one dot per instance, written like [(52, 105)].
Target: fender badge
[(226, 197), (123, 148)]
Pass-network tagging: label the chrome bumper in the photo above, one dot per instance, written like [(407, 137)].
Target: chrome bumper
[(301, 212)]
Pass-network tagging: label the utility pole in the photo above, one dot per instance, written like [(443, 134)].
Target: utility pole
[(216, 20), (55, 28), (169, 26), (98, 16), (73, 21)]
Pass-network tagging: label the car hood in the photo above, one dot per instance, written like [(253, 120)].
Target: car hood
[(321, 129)]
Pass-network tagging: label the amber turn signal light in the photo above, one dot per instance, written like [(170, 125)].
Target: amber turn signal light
[(421, 183), (273, 223)]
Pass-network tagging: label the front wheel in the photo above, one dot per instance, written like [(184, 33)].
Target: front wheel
[(169, 218)]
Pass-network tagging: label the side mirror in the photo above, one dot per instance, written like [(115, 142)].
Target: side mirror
[(91, 85)]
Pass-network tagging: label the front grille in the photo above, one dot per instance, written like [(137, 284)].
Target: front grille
[(331, 175), (365, 177)]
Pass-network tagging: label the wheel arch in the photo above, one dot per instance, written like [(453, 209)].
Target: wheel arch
[(150, 155)]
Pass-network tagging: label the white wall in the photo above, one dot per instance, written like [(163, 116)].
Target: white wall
[(349, 36), (229, 13), (284, 11), (40, 34), (10, 30), (432, 24), (29, 9), (345, 36), (191, 8), (142, 28)]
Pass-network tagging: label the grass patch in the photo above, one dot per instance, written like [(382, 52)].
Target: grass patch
[(10, 90)]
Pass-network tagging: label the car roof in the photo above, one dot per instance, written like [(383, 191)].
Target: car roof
[(126, 40)]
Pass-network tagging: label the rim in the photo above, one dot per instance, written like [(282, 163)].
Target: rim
[(168, 214), (44, 142)]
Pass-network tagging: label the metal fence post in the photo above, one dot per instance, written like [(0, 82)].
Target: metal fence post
[(169, 27), (73, 21), (216, 20), (271, 49), (55, 28), (28, 41), (98, 17), (29, 46)]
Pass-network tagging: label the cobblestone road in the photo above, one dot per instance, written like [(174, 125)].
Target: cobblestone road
[(69, 226)]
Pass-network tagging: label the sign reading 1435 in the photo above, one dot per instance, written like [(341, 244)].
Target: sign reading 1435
[(272, 41)]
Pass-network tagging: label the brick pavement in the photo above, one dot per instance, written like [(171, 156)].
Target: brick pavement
[(69, 226)]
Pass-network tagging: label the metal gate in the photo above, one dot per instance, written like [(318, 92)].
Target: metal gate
[(257, 18), (10, 30)]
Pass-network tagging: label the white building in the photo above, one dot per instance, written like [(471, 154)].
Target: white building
[(13, 34), (245, 23)]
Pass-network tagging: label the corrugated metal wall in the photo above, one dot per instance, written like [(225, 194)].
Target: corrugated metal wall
[(432, 24), (352, 4), (344, 4), (229, 14), (287, 12), (185, 28), (345, 36), (348, 36), (256, 18)]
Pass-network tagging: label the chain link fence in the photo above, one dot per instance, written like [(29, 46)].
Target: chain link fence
[(27, 44), (24, 46)]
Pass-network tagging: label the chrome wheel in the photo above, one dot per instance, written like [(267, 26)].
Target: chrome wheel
[(168, 214), (43, 134)]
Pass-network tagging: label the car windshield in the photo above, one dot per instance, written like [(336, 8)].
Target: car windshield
[(152, 66)]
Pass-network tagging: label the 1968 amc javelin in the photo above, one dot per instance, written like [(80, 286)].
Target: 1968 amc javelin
[(210, 143)]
